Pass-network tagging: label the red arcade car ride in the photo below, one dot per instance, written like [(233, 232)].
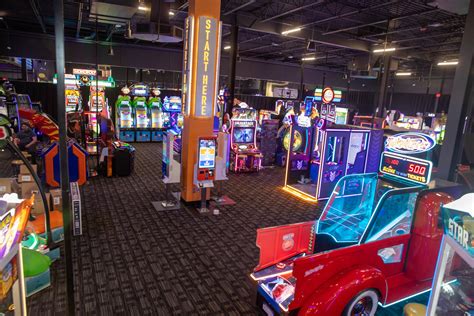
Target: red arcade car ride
[(375, 243)]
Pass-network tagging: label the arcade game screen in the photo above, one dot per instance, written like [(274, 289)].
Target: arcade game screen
[(243, 135), (207, 153)]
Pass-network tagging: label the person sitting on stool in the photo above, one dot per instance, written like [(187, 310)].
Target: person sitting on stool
[(26, 139)]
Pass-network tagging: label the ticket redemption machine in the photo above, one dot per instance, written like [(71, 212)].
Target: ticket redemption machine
[(453, 284), (205, 168), (140, 93), (125, 114), (156, 115), (171, 173), (244, 155), (222, 164)]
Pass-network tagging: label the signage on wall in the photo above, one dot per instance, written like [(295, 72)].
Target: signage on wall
[(84, 72), (206, 66), (409, 143), (322, 95)]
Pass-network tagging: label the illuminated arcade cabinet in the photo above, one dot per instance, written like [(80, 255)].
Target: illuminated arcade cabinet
[(125, 116), (140, 93), (73, 98), (172, 117), (366, 248), (244, 155), (156, 115), (321, 153), (341, 114)]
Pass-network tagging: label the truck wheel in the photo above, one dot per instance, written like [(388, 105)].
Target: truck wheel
[(363, 304)]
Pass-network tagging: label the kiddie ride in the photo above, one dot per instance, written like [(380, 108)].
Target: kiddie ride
[(244, 155), (366, 248)]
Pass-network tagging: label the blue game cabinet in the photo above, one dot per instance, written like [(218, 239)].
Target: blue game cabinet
[(127, 136), (156, 136), (143, 136)]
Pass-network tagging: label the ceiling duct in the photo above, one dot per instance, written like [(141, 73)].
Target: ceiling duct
[(455, 6), (155, 26), (113, 11)]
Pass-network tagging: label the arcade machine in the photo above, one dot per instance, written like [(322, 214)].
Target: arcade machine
[(23, 101), (244, 155), (222, 159), (453, 284), (97, 105), (341, 113), (140, 93), (320, 154), (73, 98), (366, 248), (125, 114), (172, 117), (369, 120), (156, 115)]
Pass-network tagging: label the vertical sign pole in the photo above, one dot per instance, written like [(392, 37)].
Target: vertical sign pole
[(63, 155)]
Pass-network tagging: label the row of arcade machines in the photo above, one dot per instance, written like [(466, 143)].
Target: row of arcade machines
[(142, 116), (366, 249)]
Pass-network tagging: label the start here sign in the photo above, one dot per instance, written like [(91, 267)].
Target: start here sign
[(206, 66)]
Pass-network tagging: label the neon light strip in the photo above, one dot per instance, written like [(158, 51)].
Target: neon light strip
[(270, 275), (190, 63), (299, 194), (216, 87)]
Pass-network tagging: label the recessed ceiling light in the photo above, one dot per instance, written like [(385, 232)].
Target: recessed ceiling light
[(142, 8), (227, 47), (403, 74), (296, 29), (308, 58), (171, 13), (381, 50), (448, 63)]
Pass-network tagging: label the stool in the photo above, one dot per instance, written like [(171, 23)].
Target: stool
[(414, 309), (16, 166)]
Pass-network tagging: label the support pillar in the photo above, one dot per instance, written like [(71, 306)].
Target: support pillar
[(382, 93), (24, 70), (460, 104), (63, 152), (201, 57), (234, 49)]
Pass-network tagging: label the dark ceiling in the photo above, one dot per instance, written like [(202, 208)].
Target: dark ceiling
[(339, 33)]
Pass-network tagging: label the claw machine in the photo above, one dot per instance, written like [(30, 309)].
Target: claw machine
[(453, 285)]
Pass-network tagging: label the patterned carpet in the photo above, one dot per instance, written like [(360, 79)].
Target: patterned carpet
[(134, 260)]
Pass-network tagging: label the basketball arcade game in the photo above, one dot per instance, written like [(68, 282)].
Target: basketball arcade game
[(156, 115), (367, 247), (140, 93), (244, 155)]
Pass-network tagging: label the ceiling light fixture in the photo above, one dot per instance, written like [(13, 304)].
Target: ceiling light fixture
[(403, 74), (448, 63), (382, 50), (308, 58), (141, 7), (297, 29), (171, 13), (227, 47)]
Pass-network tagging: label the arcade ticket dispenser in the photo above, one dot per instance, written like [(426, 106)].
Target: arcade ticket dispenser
[(205, 169)]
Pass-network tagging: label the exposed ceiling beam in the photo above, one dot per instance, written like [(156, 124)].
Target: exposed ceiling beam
[(239, 7), (379, 22), (79, 19), (247, 22), (37, 15), (318, 2), (426, 37)]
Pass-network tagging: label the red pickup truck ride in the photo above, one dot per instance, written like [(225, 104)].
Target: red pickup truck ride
[(375, 243)]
